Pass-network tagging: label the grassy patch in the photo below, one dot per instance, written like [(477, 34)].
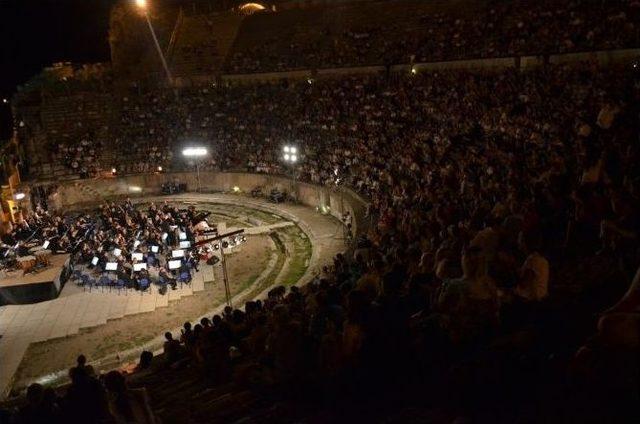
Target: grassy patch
[(301, 255)]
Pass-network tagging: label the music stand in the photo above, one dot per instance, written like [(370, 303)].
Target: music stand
[(139, 267)]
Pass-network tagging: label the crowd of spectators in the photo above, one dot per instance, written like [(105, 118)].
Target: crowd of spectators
[(81, 157), (497, 29), (90, 398), (505, 209), (505, 203)]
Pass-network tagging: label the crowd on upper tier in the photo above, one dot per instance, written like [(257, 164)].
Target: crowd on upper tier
[(499, 29)]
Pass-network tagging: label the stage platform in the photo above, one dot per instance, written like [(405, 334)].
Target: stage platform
[(17, 288)]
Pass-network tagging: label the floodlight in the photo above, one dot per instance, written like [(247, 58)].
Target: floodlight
[(286, 156), (293, 150), (194, 151), (287, 149), (294, 158)]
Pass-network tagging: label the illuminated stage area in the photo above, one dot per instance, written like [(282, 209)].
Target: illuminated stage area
[(286, 244), (17, 287)]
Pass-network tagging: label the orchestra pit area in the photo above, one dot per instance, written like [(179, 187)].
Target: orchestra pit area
[(310, 211)]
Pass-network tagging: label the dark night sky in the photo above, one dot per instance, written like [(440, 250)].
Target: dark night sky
[(36, 33)]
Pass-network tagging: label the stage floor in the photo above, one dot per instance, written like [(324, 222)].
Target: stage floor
[(49, 274)]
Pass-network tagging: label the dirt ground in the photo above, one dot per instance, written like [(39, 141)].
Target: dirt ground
[(131, 331)]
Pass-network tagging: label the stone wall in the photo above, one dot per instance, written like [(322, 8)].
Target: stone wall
[(78, 194)]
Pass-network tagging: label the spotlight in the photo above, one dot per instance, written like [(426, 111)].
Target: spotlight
[(290, 154), (194, 151), (5, 101)]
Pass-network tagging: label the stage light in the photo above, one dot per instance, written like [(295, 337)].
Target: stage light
[(290, 154), (19, 196), (142, 4), (5, 101), (194, 151)]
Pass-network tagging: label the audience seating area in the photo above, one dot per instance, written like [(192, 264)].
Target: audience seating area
[(376, 33), (500, 282)]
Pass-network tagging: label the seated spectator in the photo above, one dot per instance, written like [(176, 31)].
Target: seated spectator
[(85, 398), (468, 306), (534, 274), (82, 364), (172, 349), (127, 405)]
